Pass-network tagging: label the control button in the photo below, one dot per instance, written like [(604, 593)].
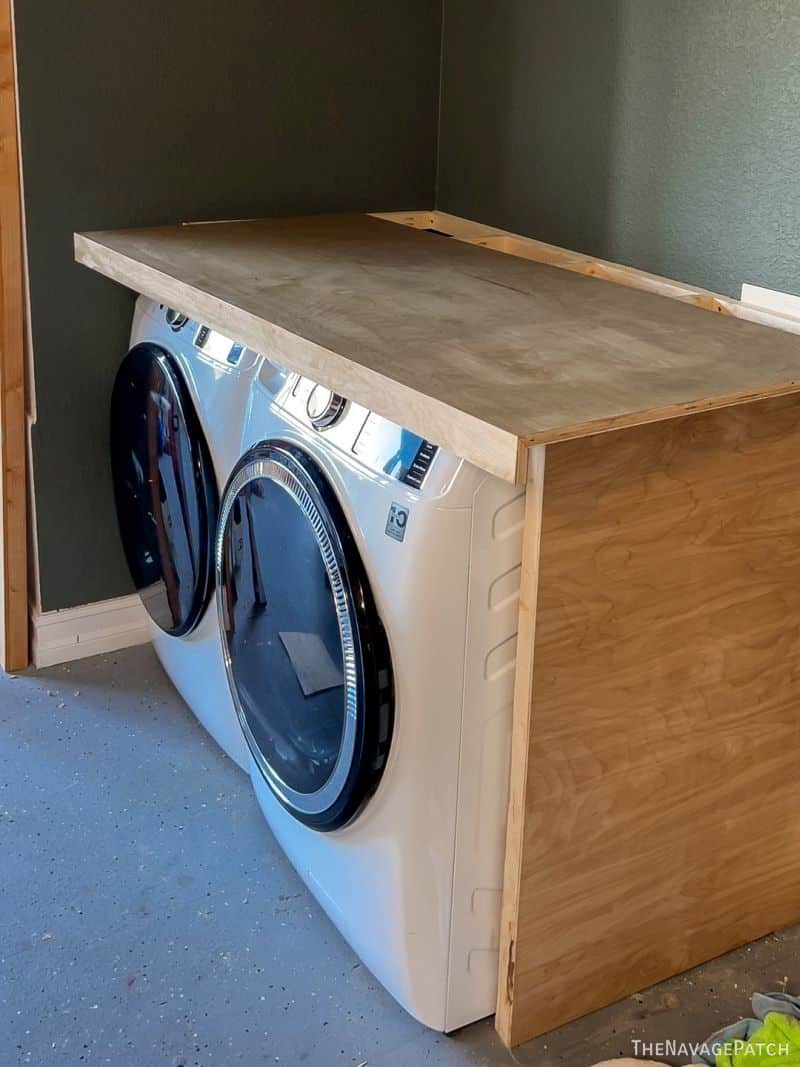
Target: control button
[(324, 407), (201, 337), (175, 320), (235, 353)]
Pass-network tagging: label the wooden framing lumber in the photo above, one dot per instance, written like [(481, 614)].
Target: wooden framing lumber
[(13, 457)]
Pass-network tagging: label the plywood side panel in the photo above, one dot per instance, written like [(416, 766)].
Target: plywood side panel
[(13, 506), (660, 821)]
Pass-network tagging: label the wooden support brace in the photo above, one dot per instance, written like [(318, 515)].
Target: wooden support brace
[(13, 501)]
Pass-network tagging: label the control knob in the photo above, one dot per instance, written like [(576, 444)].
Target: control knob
[(324, 407), (175, 319)]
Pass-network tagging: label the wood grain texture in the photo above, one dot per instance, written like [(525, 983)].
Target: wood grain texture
[(13, 501), (515, 244), (483, 353), (661, 785)]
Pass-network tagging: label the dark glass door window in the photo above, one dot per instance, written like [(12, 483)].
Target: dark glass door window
[(308, 658), (164, 488)]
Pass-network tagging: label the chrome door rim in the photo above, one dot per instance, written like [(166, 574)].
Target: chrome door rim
[(326, 796)]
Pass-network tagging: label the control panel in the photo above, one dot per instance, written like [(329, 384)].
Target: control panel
[(381, 445), (324, 408), (386, 447), (214, 346), (218, 347)]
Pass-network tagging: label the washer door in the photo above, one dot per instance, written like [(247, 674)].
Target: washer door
[(308, 660), (164, 487)]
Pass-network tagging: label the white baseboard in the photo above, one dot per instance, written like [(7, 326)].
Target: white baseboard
[(771, 299), (88, 630)]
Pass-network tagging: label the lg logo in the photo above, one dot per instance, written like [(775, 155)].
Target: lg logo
[(397, 522)]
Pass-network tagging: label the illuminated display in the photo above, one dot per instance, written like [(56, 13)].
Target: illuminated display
[(399, 453)]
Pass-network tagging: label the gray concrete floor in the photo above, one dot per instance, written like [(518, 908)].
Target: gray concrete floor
[(147, 916)]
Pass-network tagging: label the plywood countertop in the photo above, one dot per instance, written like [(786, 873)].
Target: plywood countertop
[(480, 352)]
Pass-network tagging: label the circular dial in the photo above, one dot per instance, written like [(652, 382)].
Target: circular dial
[(324, 407), (175, 319)]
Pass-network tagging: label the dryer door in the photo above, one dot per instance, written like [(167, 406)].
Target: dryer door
[(164, 487), (307, 656)]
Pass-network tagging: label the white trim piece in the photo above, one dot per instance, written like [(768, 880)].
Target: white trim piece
[(34, 585), (88, 630), (771, 300)]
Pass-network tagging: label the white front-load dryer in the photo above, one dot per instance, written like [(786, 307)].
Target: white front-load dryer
[(367, 585), (178, 408)]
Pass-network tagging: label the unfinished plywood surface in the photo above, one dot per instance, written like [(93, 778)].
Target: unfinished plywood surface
[(658, 824), (748, 308), (481, 352)]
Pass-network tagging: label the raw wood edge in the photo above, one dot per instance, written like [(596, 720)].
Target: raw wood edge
[(675, 411), (520, 743), (13, 436)]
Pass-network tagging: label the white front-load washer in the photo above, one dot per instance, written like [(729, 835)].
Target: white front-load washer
[(178, 408), (367, 585)]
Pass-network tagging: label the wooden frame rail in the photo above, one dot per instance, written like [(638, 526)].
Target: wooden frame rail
[(478, 233), (13, 499)]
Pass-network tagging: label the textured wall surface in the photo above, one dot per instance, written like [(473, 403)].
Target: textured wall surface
[(661, 133), (148, 113)]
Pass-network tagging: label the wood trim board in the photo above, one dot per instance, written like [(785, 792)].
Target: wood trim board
[(13, 436), (654, 791), (513, 869), (482, 353)]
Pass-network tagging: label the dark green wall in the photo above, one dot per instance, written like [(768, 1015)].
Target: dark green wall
[(152, 112), (661, 133)]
